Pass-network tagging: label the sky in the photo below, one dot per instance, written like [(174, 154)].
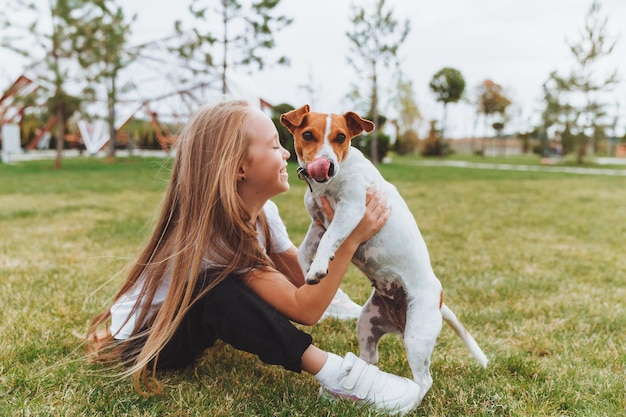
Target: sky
[(514, 43)]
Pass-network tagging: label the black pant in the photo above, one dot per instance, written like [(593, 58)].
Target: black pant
[(233, 313)]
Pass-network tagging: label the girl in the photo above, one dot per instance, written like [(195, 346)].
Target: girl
[(219, 265)]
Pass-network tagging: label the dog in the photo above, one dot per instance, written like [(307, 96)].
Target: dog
[(407, 297)]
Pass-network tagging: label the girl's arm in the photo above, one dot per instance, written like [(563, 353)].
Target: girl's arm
[(287, 263)]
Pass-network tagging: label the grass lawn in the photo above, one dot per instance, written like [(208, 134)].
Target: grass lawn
[(533, 263)]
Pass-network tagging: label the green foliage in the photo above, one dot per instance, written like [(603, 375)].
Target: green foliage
[(285, 137), (69, 34), (376, 35), (375, 39), (406, 143), (67, 102), (587, 121), (366, 141), (232, 33), (448, 85), (140, 133), (409, 115), (30, 127), (100, 42)]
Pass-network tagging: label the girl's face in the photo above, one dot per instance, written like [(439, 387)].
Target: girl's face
[(265, 167)]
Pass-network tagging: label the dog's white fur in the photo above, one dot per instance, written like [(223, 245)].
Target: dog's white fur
[(407, 297)]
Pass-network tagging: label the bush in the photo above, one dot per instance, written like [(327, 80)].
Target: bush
[(284, 135), (407, 143), (364, 144), (434, 145)]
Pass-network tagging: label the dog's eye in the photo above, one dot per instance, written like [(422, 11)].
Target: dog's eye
[(341, 138), (308, 136)]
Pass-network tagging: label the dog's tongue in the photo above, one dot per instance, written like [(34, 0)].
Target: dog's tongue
[(318, 169)]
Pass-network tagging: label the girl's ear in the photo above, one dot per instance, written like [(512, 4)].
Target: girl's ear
[(241, 174)]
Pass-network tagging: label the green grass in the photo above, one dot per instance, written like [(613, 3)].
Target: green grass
[(533, 263)]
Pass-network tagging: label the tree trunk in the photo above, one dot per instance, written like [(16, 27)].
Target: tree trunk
[(60, 135), (374, 110), (112, 131), (581, 151), (225, 57), (444, 121)]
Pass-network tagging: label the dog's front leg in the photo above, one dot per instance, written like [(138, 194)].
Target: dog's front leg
[(308, 247), (345, 220)]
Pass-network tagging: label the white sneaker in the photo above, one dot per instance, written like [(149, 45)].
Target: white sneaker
[(342, 307), (362, 382)]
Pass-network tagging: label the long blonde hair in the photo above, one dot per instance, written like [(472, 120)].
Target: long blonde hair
[(201, 211)]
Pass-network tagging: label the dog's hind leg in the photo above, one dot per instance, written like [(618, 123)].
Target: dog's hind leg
[(373, 323), (423, 324)]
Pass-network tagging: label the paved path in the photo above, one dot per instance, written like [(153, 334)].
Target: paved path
[(512, 167)]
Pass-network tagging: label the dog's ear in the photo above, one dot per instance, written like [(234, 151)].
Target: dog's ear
[(357, 124), (294, 118)]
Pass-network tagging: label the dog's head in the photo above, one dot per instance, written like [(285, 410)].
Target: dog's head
[(322, 141)]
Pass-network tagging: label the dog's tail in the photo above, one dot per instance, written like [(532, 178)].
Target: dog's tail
[(455, 323)]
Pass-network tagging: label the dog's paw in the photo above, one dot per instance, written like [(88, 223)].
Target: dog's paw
[(315, 278), (317, 271), (425, 382)]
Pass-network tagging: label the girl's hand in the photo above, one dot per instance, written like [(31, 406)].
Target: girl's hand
[(376, 214), (328, 210)]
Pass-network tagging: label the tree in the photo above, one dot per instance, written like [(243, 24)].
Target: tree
[(100, 44), (556, 112), (243, 33), (584, 81), (51, 52), (374, 42), (492, 101), (55, 47), (408, 119), (448, 86)]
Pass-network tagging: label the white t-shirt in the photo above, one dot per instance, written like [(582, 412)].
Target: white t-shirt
[(121, 309)]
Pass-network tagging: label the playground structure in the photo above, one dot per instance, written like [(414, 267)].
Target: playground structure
[(157, 86)]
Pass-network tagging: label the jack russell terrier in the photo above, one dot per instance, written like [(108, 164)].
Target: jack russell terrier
[(407, 297)]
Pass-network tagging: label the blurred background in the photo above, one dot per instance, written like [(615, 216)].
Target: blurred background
[(486, 78)]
